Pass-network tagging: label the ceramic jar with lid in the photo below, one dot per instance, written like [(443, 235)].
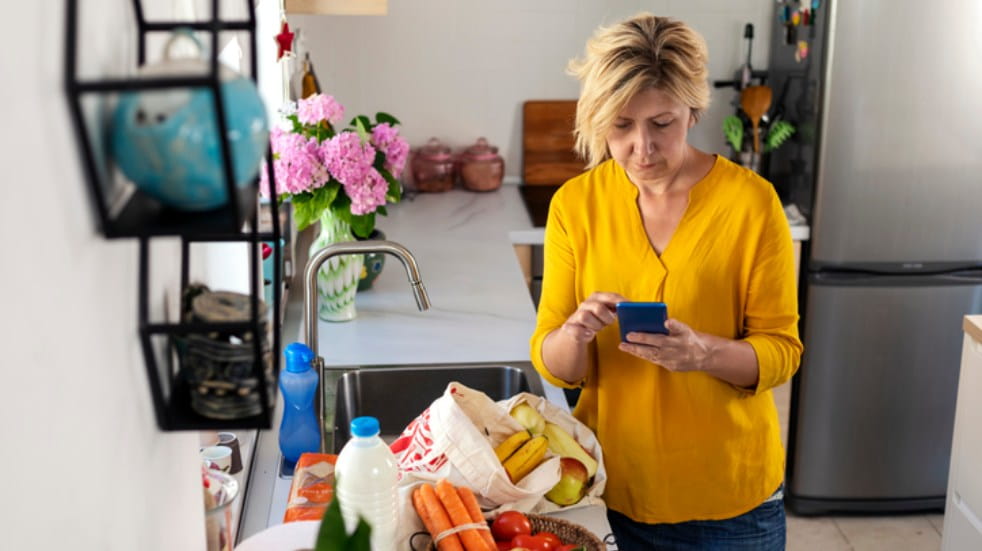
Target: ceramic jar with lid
[(432, 167), (481, 168)]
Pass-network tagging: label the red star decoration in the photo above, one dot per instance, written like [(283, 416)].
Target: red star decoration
[(284, 40)]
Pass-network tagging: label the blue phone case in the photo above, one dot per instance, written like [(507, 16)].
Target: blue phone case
[(643, 317)]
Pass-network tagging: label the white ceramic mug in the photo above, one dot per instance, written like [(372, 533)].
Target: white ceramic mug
[(219, 455)]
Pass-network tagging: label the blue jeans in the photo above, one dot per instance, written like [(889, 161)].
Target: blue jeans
[(762, 529)]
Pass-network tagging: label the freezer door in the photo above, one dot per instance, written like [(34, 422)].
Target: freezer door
[(874, 409), (899, 180)]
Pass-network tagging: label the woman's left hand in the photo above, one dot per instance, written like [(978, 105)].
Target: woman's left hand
[(683, 349)]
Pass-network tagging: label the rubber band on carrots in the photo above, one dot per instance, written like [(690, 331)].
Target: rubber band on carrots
[(461, 528)]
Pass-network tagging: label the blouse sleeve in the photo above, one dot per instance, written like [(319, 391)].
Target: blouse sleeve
[(771, 315), (558, 299)]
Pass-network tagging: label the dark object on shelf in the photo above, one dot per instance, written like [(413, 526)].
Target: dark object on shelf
[(218, 365), (183, 357)]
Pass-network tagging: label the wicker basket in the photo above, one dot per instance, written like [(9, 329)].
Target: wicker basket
[(568, 532)]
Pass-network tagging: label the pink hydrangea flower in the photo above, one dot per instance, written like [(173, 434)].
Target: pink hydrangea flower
[(369, 194), (396, 149), (298, 166), (320, 107), (347, 158)]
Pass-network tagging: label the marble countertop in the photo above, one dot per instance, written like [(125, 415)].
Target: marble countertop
[(481, 308)]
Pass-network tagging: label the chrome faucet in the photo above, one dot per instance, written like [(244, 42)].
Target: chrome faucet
[(310, 309)]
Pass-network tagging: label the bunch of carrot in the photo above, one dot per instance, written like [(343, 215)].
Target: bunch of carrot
[(443, 507)]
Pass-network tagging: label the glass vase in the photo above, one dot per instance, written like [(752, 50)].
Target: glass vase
[(337, 279)]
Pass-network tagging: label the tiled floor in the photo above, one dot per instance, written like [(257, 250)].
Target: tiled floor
[(916, 532)]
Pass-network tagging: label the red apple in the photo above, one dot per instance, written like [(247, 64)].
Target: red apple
[(572, 482)]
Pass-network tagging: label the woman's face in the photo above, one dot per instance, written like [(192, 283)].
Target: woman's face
[(648, 136)]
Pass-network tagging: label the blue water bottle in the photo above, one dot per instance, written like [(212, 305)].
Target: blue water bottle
[(299, 432)]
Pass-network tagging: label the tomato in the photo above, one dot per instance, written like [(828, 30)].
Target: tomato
[(553, 539), (503, 545), (510, 524), (534, 543)]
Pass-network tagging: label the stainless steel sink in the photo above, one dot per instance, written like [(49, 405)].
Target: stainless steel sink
[(396, 395)]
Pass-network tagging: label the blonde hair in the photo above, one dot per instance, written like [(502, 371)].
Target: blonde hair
[(642, 52)]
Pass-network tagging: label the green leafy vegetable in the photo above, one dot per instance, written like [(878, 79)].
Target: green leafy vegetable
[(332, 535)]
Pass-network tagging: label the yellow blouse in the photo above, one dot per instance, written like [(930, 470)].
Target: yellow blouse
[(678, 446)]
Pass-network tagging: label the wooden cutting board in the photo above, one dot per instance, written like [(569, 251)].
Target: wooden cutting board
[(547, 142)]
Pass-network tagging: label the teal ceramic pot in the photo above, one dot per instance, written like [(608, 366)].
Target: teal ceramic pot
[(372, 267), (167, 141)]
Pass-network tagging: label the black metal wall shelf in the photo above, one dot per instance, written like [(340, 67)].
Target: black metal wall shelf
[(143, 217)]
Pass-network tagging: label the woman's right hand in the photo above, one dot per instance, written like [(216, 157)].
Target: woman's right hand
[(593, 314)]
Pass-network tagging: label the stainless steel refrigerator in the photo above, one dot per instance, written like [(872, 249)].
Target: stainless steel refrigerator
[(888, 164)]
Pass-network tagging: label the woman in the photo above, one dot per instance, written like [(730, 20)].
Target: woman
[(687, 421)]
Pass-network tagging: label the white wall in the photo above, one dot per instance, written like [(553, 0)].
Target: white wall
[(82, 464), (460, 69)]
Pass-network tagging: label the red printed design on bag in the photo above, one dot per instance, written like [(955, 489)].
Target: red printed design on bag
[(414, 446)]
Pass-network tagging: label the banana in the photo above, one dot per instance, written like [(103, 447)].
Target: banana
[(511, 444), (526, 458), (529, 418), (564, 445)]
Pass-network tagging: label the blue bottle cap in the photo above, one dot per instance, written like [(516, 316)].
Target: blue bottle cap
[(364, 426), (298, 357)]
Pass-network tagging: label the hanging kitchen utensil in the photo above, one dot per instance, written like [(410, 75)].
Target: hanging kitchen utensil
[(308, 83), (746, 72), (733, 130), (755, 101)]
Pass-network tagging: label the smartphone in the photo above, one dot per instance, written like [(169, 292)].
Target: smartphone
[(643, 317)]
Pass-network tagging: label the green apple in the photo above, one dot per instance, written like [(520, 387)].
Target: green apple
[(572, 482), (529, 418)]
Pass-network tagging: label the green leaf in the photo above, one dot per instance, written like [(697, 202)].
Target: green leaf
[(385, 117), (303, 210), (382, 210), (379, 163), (332, 535), (360, 539), (363, 224), (365, 121), (342, 208), (394, 193), (361, 127), (325, 195)]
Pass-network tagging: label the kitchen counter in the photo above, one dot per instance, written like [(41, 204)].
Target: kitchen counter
[(481, 309), (481, 312)]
